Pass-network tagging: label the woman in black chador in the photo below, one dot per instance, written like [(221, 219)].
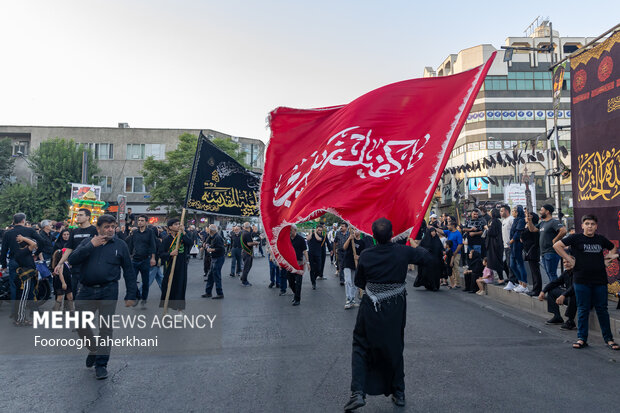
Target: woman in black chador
[(179, 280), (495, 244), (428, 276), (378, 338)]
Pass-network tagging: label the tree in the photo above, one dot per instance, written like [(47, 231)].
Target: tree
[(58, 162), (20, 198), (167, 179), (6, 161)]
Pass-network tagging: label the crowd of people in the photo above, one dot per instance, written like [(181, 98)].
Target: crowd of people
[(489, 247)]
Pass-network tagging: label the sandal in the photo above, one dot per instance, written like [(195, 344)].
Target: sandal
[(579, 344), (613, 346)]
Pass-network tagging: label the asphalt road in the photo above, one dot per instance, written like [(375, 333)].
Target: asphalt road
[(463, 353)]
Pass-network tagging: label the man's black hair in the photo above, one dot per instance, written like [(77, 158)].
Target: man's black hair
[(549, 208), (86, 211), (19, 217), (143, 216), (172, 221), (590, 217), (382, 230), (105, 219), (345, 224)]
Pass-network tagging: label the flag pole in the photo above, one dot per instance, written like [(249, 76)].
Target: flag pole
[(174, 262)]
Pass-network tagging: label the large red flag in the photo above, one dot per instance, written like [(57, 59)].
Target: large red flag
[(379, 156)]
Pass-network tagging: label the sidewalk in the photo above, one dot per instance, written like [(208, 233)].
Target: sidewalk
[(534, 306)]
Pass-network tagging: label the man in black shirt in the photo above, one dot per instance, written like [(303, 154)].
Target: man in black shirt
[(27, 275), (214, 245), (558, 292), (247, 246), (474, 228), (83, 232), (10, 246), (46, 247), (531, 250), (235, 251), (101, 259), (316, 243), (142, 249), (589, 277), (353, 247), (339, 240), (301, 253)]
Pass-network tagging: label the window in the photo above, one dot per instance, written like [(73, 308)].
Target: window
[(495, 83), (105, 182), (156, 150), (135, 151), (139, 151), (21, 148), (134, 184), (101, 151)]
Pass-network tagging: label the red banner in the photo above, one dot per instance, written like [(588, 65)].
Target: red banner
[(379, 156)]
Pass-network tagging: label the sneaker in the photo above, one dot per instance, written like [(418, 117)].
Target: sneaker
[(143, 304), (348, 305), (314, 286), (355, 402), (232, 275), (525, 291), (554, 321), (282, 293), (101, 372), (218, 297), (270, 285), (480, 292), (206, 295), (246, 284), (90, 360), (568, 325), (510, 286), (518, 289), (341, 283), (295, 303)]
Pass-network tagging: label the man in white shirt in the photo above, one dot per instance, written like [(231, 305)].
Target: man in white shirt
[(507, 220)]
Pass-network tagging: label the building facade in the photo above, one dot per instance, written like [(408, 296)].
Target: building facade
[(513, 110), (120, 154)]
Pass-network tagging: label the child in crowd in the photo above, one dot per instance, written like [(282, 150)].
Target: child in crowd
[(447, 259), (62, 283), (487, 278), (26, 278)]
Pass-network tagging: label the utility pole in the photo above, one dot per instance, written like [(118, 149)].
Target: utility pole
[(558, 196), (84, 167)]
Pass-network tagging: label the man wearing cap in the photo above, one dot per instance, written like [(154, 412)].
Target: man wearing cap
[(550, 231)]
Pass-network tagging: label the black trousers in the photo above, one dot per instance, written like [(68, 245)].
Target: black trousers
[(536, 276), (509, 275), (470, 282), (315, 267), (294, 281), (554, 309), (206, 263), (322, 266), (247, 265)]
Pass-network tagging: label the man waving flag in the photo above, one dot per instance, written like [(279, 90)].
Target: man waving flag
[(379, 156)]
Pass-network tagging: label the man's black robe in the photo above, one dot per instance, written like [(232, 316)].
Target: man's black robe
[(378, 337), (179, 281)]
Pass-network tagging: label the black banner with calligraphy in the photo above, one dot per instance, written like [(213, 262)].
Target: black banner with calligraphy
[(595, 140), (220, 185)]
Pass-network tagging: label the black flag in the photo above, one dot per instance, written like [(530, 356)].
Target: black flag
[(219, 184)]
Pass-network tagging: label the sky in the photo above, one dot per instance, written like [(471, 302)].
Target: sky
[(224, 65)]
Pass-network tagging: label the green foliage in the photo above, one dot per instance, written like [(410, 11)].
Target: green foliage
[(6, 160), (58, 162), (20, 198), (167, 179), (232, 149)]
